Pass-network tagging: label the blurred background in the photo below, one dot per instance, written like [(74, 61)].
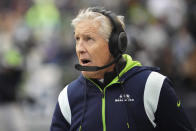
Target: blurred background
[(37, 53)]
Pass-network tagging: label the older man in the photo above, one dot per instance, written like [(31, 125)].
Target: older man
[(114, 93)]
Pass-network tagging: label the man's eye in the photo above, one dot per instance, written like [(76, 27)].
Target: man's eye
[(77, 38), (89, 38)]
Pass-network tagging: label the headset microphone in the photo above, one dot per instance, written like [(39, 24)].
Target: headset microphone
[(95, 68), (86, 68)]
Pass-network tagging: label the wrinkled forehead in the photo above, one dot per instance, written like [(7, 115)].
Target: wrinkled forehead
[(87, 26)]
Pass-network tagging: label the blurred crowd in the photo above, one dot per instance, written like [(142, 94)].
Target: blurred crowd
[(37, 53)]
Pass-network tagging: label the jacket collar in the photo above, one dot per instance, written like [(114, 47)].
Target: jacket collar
[(122, 75), (129, 65)]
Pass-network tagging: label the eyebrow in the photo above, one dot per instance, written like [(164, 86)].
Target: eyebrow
[(84, 34)]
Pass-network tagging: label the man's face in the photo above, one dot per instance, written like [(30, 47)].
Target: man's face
[(91, 48)]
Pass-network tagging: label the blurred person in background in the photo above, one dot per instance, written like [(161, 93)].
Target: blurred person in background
[(114, 92), (11, 55)]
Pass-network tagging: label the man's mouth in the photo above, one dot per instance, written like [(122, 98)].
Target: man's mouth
[(85, 61)]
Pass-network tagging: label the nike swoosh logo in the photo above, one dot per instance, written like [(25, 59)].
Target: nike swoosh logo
[(178, 103)]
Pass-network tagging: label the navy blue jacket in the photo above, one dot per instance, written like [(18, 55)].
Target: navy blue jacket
[(140, 99)]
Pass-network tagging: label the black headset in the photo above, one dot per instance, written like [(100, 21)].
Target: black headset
[(118, 37)]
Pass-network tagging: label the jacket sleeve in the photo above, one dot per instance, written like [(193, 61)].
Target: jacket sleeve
[(170, 115), (62, 115), (58, 121)]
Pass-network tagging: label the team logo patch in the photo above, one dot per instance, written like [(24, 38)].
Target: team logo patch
[(124, 98)]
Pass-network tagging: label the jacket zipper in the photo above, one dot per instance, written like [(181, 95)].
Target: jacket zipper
[(103, 101), (103, 111), (103, 104)]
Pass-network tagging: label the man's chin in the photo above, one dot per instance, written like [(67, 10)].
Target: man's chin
[(92, 74)]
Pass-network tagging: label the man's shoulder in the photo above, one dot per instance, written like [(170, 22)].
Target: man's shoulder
[(142, 77), (73, 90), (79, 81), (140, 71), (68, 95), (75, 84)]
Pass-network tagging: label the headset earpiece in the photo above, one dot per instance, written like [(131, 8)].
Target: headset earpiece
[(122, 42)]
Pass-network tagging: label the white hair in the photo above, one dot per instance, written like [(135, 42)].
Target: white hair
[(105, 24)]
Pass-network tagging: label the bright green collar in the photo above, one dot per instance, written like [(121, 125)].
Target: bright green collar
[(129, 64)]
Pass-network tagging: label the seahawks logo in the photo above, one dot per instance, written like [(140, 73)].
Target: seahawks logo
[(124, 98)]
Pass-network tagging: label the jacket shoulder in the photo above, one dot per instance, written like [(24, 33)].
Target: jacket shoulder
[(68, 95), (75, 85)]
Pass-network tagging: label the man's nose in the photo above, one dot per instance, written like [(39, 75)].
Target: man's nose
[(80, 48)]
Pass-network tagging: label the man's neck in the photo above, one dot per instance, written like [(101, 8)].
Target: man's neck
[(109, 76)]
